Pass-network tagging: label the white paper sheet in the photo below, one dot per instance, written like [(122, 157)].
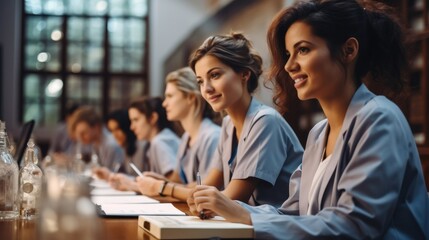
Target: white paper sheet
[(156, 209), (99, 200), (110, 192)]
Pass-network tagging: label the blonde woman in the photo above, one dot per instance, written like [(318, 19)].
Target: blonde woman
[(184, 103)]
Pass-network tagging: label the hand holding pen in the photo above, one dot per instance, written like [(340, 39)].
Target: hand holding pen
[(201, 214)]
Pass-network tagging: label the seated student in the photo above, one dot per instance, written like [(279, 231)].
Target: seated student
[(62, 142), (361, 175), (87, 127), (257, 151), (149, 122), (118, 123), (183, 102)]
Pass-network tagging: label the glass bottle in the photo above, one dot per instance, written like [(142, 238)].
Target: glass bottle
[(67, 212), (30, 182), (8, 180), (78, 164)]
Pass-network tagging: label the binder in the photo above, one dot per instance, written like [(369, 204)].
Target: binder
[(191, 227)]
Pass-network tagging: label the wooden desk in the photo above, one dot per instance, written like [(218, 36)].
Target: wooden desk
[(112, 228)]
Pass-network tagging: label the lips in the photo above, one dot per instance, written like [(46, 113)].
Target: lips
[(299, 80), (214, 98)]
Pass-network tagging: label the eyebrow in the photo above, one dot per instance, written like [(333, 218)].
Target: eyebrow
[(209, 71), (299, 43)]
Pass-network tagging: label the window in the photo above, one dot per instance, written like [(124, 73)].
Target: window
[(82, 51)]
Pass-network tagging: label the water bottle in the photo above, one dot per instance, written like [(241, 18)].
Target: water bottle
[(30, 182), (8, 180)]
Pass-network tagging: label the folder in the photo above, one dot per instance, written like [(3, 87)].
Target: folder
[(191, 227)]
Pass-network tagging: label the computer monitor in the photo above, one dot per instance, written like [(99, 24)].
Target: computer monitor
[(25, 135)]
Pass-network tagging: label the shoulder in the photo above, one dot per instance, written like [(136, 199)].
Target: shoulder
[(380, 111)]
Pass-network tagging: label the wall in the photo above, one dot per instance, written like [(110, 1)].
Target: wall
[(10, 43)]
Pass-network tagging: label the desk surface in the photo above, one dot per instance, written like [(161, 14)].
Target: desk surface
[(112, 228)]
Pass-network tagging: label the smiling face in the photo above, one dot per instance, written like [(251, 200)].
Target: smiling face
[(220, 85), (176, 104), (310, 65), (140, 125)]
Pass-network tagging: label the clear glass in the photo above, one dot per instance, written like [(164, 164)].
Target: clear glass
[(8, 180), (30, 182), (67, 213)]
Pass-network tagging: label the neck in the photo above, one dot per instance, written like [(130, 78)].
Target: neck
[(238, 112), (191, 125), (153, 132), (335, 108)]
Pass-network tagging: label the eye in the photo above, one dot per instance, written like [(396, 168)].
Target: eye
[(303, 50), (199, 82), (214, 75)]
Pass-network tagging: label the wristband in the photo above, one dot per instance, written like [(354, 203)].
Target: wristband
[(161, 189)]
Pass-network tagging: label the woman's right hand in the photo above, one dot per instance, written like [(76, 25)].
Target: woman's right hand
[(210, 201), (122, 182), (102, 173)]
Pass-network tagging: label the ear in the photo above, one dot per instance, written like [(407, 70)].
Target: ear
[(350, 49), (153, 119), (245, 75)]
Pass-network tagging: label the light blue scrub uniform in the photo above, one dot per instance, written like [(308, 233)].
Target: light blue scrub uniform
[(161, 154), (197, 158), (268, 150), (373, 186)]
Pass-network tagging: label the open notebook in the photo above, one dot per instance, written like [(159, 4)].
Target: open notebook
[(191, 227)]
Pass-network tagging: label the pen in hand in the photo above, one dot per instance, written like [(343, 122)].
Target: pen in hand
[(136, 169), (116, 167), (201, 215)]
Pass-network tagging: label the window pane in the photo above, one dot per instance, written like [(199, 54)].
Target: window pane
[(75, 29), (116, 32), (53, 7), (52, 24), (84, 90), (95, 30), (96, 7), (52, 113), (74, 88), (33, 6), (32, 50), (74, 57), (52, 59), (138, 8), (35, 25), (123, 90), (31, 87), (93, 59), (75, 6), (32, 110), (136, 31), (118, 8)]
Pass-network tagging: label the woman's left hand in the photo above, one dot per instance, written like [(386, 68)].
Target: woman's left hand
[(148, 186)]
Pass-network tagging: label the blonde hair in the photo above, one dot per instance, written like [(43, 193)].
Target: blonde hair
[(185, 80)]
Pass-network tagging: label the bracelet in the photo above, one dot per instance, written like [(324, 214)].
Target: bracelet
[(161, 190), (172, 190)]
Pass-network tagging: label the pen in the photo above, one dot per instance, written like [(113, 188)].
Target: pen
[(202, 215), (136, 169), (116, 167)]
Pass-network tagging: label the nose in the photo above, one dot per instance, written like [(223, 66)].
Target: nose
[(291, 65), (164, 103), (207, 87)]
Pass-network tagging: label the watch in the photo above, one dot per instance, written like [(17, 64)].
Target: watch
[(161, 189)]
